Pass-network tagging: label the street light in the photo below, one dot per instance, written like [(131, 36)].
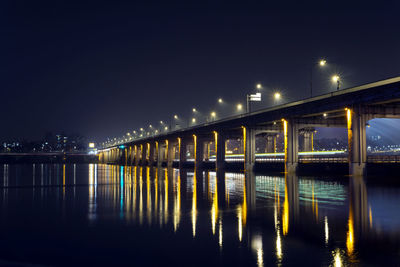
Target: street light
[(259, 86), (277, 96), (213, 115), (194, 110), (322, 63), (193, 120), (220, 100), (336, 79), (175, 117), (239, 107)]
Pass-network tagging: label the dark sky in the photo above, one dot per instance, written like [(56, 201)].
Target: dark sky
[(101, 68)]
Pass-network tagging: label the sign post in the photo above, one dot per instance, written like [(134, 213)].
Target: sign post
[(252, 98)]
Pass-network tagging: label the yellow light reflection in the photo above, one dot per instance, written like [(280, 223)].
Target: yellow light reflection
[(240, 223), (220, 233), (350, 233), (156, 191), (214, 207), (314, 202), (149, 204), (337, 258), (257, 246), (141, 195), (285, 214), (166, 196), (278, 246), (177, 203), (194, 204), (370, 217)]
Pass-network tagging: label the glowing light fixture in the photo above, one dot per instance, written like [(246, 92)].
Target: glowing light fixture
[(277, 96), (335, 78)]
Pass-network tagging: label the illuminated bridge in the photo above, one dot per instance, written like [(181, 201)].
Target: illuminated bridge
[(204, 144)]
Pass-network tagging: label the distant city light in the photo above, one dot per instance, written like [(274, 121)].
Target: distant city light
[(194, 120), (239, 107), (91, 145), (322, 62), (176, 117), (277, 96), (213, 114), (220, 100), (259, 85), (194, 110)]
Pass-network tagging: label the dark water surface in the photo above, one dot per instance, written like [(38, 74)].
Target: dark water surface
[(52, 214)]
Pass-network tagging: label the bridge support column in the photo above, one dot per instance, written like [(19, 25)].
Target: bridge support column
[(182, 147), (357, 140), (271, 143), (250, 189), (136, 151), (220, 140), (206, 150), (198, 152), (151, 153), (249, 139), (143, 154), (158, 154), (170, 153), (291, 138), (308, 141)]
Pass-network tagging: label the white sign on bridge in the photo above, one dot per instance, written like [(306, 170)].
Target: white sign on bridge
[(255, 97)]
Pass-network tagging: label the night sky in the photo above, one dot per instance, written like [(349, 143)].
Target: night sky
[(102, 68)]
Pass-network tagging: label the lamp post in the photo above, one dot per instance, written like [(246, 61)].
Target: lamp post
[(321, 64), (336, 79)]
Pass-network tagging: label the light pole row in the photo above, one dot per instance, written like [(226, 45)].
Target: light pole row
[(212, 116)]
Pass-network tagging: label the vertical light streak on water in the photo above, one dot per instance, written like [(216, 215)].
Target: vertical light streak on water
[(326, 230), (141, 195), (194, 204), (166, 197), (149, 203)]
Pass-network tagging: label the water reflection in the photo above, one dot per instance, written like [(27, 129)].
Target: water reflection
[(268, 216)]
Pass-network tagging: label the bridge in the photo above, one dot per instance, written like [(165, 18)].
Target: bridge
[(349, 108)]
